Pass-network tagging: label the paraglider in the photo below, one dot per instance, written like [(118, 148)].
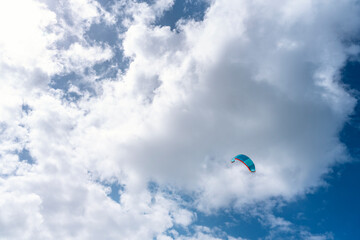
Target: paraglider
[(245, 160)]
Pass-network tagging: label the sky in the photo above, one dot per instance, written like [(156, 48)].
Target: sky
[(119, 119)]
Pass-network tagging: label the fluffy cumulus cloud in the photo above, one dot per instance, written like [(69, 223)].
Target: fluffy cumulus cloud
[(254, 77)]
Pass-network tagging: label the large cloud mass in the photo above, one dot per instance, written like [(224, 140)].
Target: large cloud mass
[(254, 77)]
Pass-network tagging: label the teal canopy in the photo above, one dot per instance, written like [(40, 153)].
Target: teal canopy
[(245, 160)]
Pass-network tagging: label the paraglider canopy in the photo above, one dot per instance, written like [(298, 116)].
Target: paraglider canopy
[(245, 160)]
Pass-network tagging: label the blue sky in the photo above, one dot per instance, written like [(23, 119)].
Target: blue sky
[(118, 119)]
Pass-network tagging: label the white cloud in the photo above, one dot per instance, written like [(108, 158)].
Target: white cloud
[(183, 217), (237, 82), (25, 36), (53, 202), (202, 233), (254, 77), (18, 222), (31, 33), (130, 11), (326, 236), (78, 57)]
